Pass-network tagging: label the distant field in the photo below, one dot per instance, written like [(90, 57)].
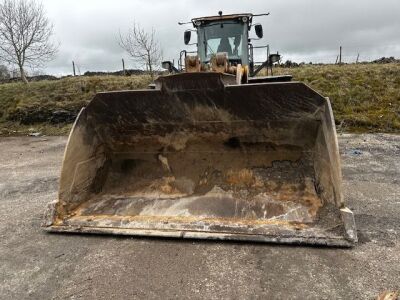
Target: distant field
[(364, 97)]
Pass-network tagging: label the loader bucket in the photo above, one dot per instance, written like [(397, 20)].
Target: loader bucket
[(200, 157)]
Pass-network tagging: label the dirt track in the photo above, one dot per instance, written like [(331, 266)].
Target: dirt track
[(37, 265)]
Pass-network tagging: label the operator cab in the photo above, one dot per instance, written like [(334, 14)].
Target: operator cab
[(223, 34), (224, 46), (227, 34)]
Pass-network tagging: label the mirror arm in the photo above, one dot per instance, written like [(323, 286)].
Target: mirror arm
[(260, 15)]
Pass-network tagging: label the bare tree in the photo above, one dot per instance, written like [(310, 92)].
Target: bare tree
[(25, 34), (142, 46)]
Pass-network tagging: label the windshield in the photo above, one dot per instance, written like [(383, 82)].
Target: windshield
[(226, 37)]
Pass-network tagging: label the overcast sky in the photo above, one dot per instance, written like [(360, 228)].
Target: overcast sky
[(301, 30)]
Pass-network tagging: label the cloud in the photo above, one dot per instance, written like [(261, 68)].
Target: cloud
[(302, 30)]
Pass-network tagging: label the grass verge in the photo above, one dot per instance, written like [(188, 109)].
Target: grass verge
[(50, 107), (365, 97)]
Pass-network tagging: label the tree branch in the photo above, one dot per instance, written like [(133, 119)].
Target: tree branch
[(142, 46), (25, 34)]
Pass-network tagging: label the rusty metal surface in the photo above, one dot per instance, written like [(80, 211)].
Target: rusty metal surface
[(201, 157), (273, 237), (192, 64)]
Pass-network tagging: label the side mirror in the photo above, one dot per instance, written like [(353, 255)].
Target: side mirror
[(187, 36), (259, 30), (167, 65), (273, 58)]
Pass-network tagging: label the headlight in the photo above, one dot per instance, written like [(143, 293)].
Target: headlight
[(244, 19), (197, 23)]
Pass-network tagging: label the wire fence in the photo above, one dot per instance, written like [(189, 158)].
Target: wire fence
[(351, 54)]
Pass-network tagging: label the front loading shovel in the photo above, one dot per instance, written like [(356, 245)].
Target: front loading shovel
[(200, 158)]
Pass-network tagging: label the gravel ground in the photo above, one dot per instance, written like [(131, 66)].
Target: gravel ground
[(39, 265)]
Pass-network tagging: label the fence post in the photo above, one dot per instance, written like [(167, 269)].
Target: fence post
[(340, 55), (268, 60), (123, 67), (73, 68)]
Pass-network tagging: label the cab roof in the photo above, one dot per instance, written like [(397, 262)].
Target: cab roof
[(223, 18)]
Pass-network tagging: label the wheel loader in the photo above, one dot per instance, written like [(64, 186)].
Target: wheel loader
[(209, 151)]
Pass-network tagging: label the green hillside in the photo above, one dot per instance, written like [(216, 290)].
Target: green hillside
[(365, 97)]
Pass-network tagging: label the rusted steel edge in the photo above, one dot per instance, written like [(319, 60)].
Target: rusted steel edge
[(347, 217), (293, 240)]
